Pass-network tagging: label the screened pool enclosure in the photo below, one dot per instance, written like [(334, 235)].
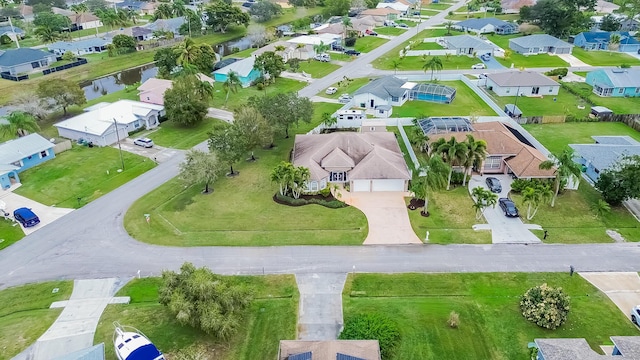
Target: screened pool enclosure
[(432, 92), (443, 125)]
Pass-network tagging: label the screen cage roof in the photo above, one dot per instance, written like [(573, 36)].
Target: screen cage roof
[(439, 125), (434, 89)]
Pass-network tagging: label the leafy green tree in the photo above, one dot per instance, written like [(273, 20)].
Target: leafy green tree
[(203, 300), (231, 85), (230, 146), (631, 8), (373, 326), (124, 43), (166, 60), (264, 10), (220, 15), (283, 110), (294, 64), (95, 5), (560, 17), (200, 167), (253, 128), (534, 196), (68, 56), (52, 21), (270, 63), (610, 23), (620, 182), (328, 120), (19, 124), (201, 56), (565, 169), (193, 23), (433, 64), (183, 103), (163, 11), (336, 7), (61, 93), (431, 177), (476, 153), (178, 8), (283, 175), (452, 152), (545, 306), (483, 199)]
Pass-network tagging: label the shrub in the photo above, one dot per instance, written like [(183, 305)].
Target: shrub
[(625, 66), (350, 41), (457, 177), (5, 40), (545, 306), (373, 326), (557, 72), (454, 320), (518, 185), (332, 204), (325, 192)]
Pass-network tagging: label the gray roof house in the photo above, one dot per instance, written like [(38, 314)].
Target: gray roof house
[(24, 60), (387, 90), (11, 32), (172, 25), (523, 83), (487, 25), (602, 155), (81, 47), (625, 347), (539, 44), (469, 45)]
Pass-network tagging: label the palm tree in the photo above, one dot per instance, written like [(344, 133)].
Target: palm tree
[(47, 34), (601, 208), (79, 8), (346, 24), (178, 8), (279, 48), (231, 84), (328, 120), (614, 42), (565, 169), (298, 47), (432, 64), (476, 153), (320, 48), (164, 11), (108, 17), (535, 196), (483, 199), (449, 25), (432, 176), (418, 138), (188, 52), (19, 124), (395, 64), (453, 152), (204, 89)]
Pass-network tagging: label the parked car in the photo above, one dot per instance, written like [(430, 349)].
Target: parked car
[(508, 207), (478, 66), (371, 32), (482, 76), (336, 47), (403, 25), (323, 57), (144, 142), (635, 315), (494, 184), (26, 217), (352, 52), (485, 57), (344, 98), (331, 91), (390, 23), (417, 13)]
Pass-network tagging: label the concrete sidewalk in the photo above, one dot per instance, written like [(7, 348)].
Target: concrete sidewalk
[(320, 309)]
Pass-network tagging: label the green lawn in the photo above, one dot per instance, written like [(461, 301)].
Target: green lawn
[(581, 73), (465, 103), (242, 54), (619, 105), (81, 172), (368, 43), (318, 69), (417, 62), (129, 93), (25, 314), (241, 210), (427, 46), (239, 98), (565, 104), (346, 87), (336, 56), (410, 23), (271, 317), (491, 325), (389, 30), (11, 232), (173, 135), (604, 58), (428, 12), (502, 40), (436, 6), (532, 61), (465, 16)]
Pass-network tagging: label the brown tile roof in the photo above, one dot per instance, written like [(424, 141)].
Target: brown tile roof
[(380, 12), (83, 18), (328, 350)]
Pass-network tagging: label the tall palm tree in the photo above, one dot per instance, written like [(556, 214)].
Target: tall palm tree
[(432, 176), (346, 24), (449, 25), (164, 11), (47, 34), (231, 84), (178, 8), (476, 153), (535, 196), (395, 64), (188, 52), (79, 8), (108, 17), (321, 48), (19, 124), (418, 138), (204, 89), (432, 64), (565, 169), (614, 42), (453, 153)]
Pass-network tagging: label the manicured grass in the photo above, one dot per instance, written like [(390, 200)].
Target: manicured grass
[(242, 54), (502, 40), (11, 232), (428, 12), (271, 317), (129, 93), (604, 58), (465, 103), (389, 30), (25, 314), (491, 325), (239, 98), (532, 61), (410, 23), (437, 6), (465, 16), (241, 210), (619, 105), (291, 14), (81, 172), (427, 46), (336, 56), (318, 69), (368, 43), (417, 62), (565, 103), (346, 88), (173, 135)]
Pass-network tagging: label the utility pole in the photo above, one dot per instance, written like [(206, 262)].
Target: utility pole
[(15, 36), (119, 146)]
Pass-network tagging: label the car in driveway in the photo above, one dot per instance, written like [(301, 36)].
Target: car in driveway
[(494, 185), (344, 98), (323, 57), (336, 47), (635, 315), (485, 57), (352, 52), (403, 26), (26, 217), (478, 66), (508, 207), (144, 142), (331, 91), (371, 32)]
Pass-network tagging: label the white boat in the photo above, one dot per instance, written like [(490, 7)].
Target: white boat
[(131, 344)]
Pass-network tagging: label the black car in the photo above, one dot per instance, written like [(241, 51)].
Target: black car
[(494, 185), (508, 207), (352, 52), (337, 47)]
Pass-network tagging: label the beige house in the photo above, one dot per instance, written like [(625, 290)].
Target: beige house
[(152, 91), (386, 13), (329, 350)]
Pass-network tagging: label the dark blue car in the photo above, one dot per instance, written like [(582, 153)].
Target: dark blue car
[(26, 217)]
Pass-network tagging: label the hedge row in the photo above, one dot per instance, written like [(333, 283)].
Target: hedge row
[(333, 204)]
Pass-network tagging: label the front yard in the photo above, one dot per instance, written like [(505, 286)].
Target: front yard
[(348, 87), (173, 135), (564, 103), (604, 58), (390, 30), (368, 43), (619, 105), (491, 325), (239, 98), (317, 69), (80, 173), (460, 62), (11, 232), (532, 61)]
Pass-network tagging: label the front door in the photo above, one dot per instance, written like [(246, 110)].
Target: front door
[(371, 102)]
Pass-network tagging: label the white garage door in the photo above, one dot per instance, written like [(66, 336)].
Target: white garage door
[(387, 185), (361, 185)]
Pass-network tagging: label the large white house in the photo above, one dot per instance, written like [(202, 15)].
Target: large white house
[(387, 90), (521, 83)]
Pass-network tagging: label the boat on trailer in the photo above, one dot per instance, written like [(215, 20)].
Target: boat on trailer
[(131, 344)]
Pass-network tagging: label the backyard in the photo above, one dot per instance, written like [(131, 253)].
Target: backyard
[(240, 97), (317, 69), (491, 325), (173, 135), (80, 175), (564, 103), (604, 58), (241, 210), (271, 317), (619, 105)]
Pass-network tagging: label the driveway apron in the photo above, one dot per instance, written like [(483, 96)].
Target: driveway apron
[(320, 309), (623, 288), (46, 214)]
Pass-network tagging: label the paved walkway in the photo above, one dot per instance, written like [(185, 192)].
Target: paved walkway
[(220, 114), (623, 288), (46, 214), (320, 309), (387, 216), (75, 328), (572, 60)]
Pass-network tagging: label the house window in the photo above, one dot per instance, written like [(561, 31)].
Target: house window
[(372, 129), (508, 90), (17, 163), (362, 105), (43, 154), (493, 162), (550, 90), (313, 186), (637, 90), (621, 90), (394, 98), (381, 111)]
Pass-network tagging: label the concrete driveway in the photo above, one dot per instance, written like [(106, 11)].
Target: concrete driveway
[(492, 63), (504, 230), (623, 288), (157, 153), (47, 214), (387, 216)]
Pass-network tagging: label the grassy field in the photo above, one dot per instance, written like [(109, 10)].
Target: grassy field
[(239, 98), (619, 105), (389, 30), (11, 232), (427, 46), (368, 43), (271, 317), (345, 88), (502, 40), (532, 61), (241, 210), (604, 58), (427, 12), (491, 325), (172, 135), (336, 56), (318, 69), (81, 172), (417, 62), (437, 6), (564, 103), (465, 103), (25, 314)]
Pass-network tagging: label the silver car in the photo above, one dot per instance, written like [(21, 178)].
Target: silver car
[(144, 142), (635, 315)]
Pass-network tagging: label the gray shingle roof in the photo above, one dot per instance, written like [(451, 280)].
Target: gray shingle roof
[(20, 148), (468, 42), (629, 346), (7, 29), (384, 87), (539, 40), (480, 23), (14, 57), (603, 156), (567, 349), (616, 140), (77, 45), (521, 78), (166, 24), (623, 77)]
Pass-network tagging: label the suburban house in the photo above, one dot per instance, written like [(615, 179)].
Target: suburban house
[(84, 21), (148, 7), (312, 40), (361, 26), (599, 40), (24, 60), (173, 25), (508, 152), (387, 90), (615, 82), (351, 115), (539, 44), (80, 47), (626, 24), (12, 32), (624, 347), (137, 32), (468, 45), (403, 8), (26, 12), (366, 161), (99, 122), (487, 25), (384, 13), (152, 91), (131, 5), (20, 154), (521, 83), (606, 151), (329, 350), (243, 68)]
